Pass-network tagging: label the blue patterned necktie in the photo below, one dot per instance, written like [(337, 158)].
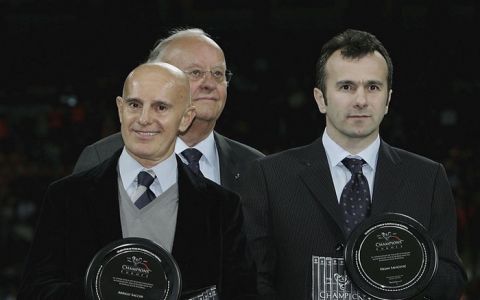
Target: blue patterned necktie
[(355, 199), (193, 156), (145, 179)]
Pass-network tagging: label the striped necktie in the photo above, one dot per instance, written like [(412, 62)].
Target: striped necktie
[(145, 179)]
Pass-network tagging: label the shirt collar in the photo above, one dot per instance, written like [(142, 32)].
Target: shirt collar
[(129, 169), (336, 153), (207, 147)]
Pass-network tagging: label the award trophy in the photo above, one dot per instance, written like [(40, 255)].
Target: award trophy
[(391, 256), (133, 268)]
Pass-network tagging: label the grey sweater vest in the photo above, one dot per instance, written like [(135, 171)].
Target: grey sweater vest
[(156, 221)]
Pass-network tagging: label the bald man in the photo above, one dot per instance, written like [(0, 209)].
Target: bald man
[(196, 220), (222, 160)]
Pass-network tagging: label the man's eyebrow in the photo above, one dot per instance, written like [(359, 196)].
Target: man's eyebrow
[(192, 66), (376, 82), (195, 65), (343, 82), (368, 82), (161, 102), (130, 99), (154, 102)]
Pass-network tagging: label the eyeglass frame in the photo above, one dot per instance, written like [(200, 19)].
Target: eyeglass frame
[(227, 75)]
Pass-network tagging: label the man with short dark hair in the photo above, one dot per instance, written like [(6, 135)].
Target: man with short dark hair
[(302, 204)]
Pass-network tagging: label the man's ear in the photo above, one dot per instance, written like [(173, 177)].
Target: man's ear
[(388, 101), (120, 104), (320, 99), (187, 119)]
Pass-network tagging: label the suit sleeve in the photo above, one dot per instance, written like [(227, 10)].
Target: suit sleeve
[(450, 278), (258, 229), (44, 276)]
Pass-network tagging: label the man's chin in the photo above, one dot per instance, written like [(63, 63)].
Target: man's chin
[(206, 116), (141, 151)]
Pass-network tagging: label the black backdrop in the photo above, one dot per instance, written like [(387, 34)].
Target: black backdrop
[(63, 63)]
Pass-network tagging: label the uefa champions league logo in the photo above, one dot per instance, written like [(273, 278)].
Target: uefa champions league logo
[(138, 262), (388, 240), (137, 266), (388, 236)]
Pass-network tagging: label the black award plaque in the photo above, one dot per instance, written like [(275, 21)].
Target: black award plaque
[(391, 256), (133, 268)]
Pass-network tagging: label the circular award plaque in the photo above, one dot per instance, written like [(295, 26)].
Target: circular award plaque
[(391, 256), (133, 268)]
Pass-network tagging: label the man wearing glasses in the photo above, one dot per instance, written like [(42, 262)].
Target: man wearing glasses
[(216, 157)]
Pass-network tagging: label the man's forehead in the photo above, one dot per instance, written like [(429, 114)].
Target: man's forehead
[(372, 63), (152, 84), (192, 42), (193, 51), (338, 57)]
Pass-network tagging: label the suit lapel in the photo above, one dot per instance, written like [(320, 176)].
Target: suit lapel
[(228, 167), (103, 201), (387, 179), (190, 217), (317, 178)]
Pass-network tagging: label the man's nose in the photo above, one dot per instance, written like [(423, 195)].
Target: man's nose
[(361, 97), (145, 115), (208, 80)]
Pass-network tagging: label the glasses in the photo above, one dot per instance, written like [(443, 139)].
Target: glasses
[(219, 75)]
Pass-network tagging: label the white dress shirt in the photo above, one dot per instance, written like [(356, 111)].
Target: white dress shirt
[(340, 174), (209, 163), (165, 172)]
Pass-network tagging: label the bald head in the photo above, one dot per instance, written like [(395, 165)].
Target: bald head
[(151, 76), (179, 38), (154, 108)]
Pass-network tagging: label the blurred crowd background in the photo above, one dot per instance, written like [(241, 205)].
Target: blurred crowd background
[(63, 63)]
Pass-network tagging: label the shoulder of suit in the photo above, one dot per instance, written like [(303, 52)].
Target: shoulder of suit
[(301, 153), (246, 151), (98, 170), (408, 156), (78, 186), (74, 182), (108, 141)]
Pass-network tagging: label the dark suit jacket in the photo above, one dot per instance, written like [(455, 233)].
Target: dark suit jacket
[(233, 157), (81, 215), (292, 213)]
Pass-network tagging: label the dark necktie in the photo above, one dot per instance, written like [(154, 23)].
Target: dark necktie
[(192, 155), (145, 179), (355, 199)]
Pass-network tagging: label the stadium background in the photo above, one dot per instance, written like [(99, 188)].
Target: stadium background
[(63, 63)]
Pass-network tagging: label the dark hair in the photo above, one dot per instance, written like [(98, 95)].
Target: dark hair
[(353, 44)]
